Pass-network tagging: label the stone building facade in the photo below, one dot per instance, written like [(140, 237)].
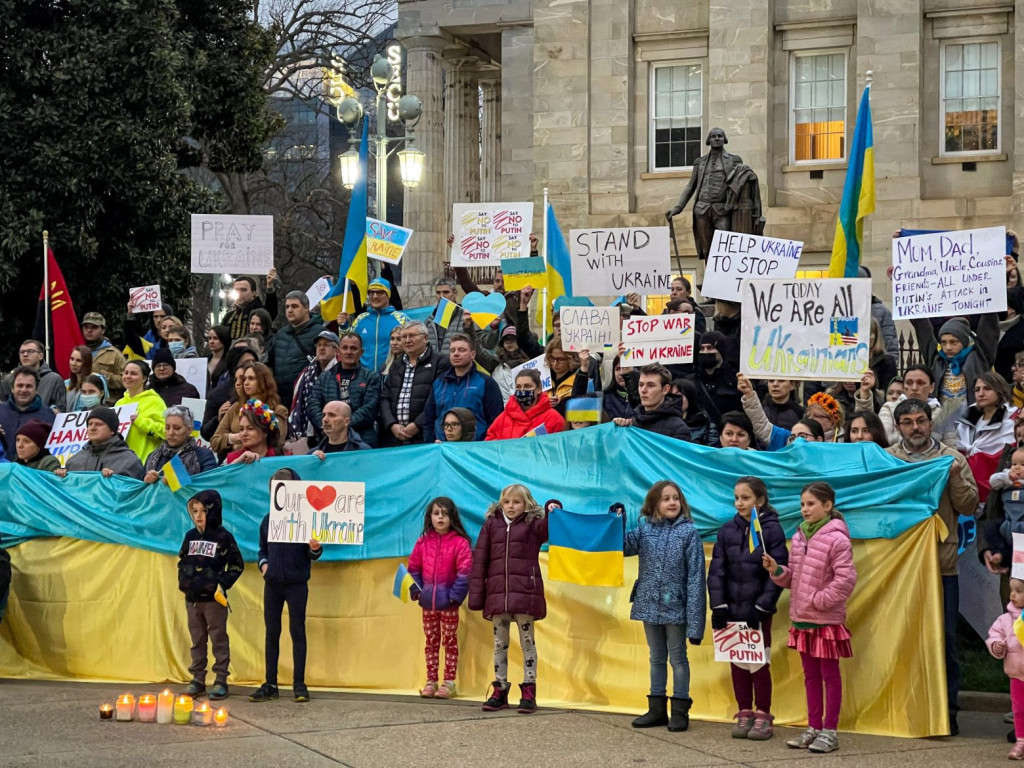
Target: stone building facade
[(606, 102)]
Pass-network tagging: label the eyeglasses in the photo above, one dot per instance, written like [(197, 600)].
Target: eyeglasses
[(558, 359), (451, 424)]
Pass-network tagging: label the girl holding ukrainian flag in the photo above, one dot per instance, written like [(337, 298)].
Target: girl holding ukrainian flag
[(740, 590)]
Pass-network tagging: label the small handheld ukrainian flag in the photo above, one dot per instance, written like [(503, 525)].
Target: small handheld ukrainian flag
[(584, 409), (175, 474), (403, 584), (755, 538), (445, 310), (1018, 629), (540, 429)]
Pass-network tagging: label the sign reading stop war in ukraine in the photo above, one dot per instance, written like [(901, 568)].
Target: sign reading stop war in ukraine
[(486, 233), (949, 273), (239, 244), (736, 257), (69, 433), (590, 328), (805, 329), (609, 262), (330, 512), (386, 242), (665, 339)]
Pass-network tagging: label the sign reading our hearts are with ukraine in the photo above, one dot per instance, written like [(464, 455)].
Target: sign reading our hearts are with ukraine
[(330, 512)]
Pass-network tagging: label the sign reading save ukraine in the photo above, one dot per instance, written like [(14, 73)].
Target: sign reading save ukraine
[(585, 548), (386, 242)]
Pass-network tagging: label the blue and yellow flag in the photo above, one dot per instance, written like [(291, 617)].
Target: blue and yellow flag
[(444, 312), (540, 429), (585, 548), (353, 248), (584, 409), (755, 537), (403, 584), (175, 474), (858, 196), (559, 266)]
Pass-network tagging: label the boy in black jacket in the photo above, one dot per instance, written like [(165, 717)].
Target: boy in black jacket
[(209, 563), (286, 569)]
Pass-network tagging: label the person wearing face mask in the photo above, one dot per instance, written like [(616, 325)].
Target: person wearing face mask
[(621, 396), (179, 342), (166, 382), (93, 392), (715, 376), (178, 441), (527, 409), (728, 317)]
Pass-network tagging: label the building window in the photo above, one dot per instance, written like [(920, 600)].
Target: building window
[(970, 97), (819, 107), (676, 115)]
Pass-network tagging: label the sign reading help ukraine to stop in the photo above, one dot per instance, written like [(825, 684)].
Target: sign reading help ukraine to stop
[(330, 512)]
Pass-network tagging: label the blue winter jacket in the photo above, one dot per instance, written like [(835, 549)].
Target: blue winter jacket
[(670, 587), (374, 326), (474, 391)]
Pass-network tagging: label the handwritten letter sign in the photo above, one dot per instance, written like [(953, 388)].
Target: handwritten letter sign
[(486, 233), (664, 339), (239, 244), (609, 262), (590, 328), (68, 435), (330, 512), (735, 257)]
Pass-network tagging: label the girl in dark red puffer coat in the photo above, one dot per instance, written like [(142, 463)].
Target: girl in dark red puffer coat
[(506, 585)]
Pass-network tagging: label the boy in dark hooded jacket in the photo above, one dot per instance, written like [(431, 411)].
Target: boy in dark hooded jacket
[(209, 563)]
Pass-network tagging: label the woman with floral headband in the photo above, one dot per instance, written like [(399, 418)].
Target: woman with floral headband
[(821, 407), (259, 428)]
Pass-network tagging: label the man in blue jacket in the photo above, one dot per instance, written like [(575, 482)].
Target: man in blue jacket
[(462, 386), (374, 326), (22, 406)]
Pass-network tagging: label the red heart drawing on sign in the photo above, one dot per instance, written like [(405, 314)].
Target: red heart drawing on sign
[(319, 498)]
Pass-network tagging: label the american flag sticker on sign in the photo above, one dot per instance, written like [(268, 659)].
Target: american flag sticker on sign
[(844, 331)]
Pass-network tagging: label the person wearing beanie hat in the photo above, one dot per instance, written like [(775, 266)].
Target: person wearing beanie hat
[(379, 284), (167, 382), (374, 326), (106, 451), (510, 356), (715, 376), (30, 444)]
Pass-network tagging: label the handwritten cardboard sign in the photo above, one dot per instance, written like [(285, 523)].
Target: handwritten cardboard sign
[(519, 273), (738, 644), (386, 242), (486, 233), (234, 244), (194, 371), (736, 257), (806, 329), (330, 512), (539, 365), (69, 432), (664, 339), (590, 328), (610, 262), (949, 273), (145, 298)]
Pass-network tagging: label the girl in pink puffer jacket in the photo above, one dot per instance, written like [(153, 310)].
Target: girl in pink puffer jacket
[(440, 565), (821, 577), (1003, 644)]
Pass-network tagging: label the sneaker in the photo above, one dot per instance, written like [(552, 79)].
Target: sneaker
[(498, 698), (528, 699), (1017, 751), (195, 688), (804, 740), (763, 728), (428, 690), (219, 691), (265, 692), (446, 690), (744, 722), (827, 741), (301, 693)]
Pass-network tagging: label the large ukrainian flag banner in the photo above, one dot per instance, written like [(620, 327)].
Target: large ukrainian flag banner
[(858, 195), (353, 248), (585, 548)]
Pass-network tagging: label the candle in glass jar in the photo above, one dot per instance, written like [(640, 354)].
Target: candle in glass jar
[(202, 715), (220, 717), (147, 708), (125, 707), (183, 710), (165, 707), (106, 711)]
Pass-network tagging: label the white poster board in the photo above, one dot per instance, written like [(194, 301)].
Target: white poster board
[(330, 512), (592, 328), (145, 298), (234, 244), (193, 370), (665, 339), (486, 233), (198, 407), (317, 291), (806, 329), (614, 261), (539, 365), (386, 242), (736, 257), (949, 273), (69, 432), (740, 645)]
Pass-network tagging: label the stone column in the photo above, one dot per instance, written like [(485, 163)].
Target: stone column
[(461, 132), (490, 140), (425, 205), (517, 72)]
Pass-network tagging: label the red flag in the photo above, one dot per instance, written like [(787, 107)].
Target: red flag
[(64, 328)]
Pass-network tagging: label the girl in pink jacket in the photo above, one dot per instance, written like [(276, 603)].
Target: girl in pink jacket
[(821, 576), (1003, 644), (440, 564)]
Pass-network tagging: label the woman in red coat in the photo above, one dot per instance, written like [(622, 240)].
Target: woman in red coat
[(528, 408)]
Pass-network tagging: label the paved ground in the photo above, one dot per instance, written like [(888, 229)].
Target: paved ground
[(56, 724)]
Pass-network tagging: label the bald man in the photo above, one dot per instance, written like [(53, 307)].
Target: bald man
[(338, 435)]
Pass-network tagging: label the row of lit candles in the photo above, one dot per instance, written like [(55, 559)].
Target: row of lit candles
[(163, 708)]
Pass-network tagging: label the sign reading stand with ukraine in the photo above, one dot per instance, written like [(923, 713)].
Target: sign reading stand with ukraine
[(585, 548)]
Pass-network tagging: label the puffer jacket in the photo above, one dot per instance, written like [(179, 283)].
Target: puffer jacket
[(429, 368), (506, 570), (736, 579), (363, 398), (670, 587), (209, 558), (820, 574), (289, 355), (1001, 631), (666, 419), (513, 422), (441, 565), (375, 326)]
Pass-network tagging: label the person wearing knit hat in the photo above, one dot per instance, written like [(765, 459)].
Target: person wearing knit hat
[(379, 284), (716, 376), (106, 451), (375, 325), (106, 415), (30, 444), (167, 382)]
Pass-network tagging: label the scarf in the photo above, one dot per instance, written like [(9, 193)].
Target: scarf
[(958, 360), (298, 419), (187, 454), (809, 529)]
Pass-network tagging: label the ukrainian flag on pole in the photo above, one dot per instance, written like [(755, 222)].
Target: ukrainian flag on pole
[(559, 267), (858, 195), (353, 249)]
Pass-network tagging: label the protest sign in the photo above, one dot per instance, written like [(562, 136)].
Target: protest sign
[(198, 407), (68, 435), (539, 365), (664, 339), (486, 233), (194, 371), (590, 328), (610, 262), (736, 257), (806, 329), (527, 271), (330, 512), (949, 273), (145, 298), (318, 290), (386, 242), (740, 645), (236, 244), (1017, 567)]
